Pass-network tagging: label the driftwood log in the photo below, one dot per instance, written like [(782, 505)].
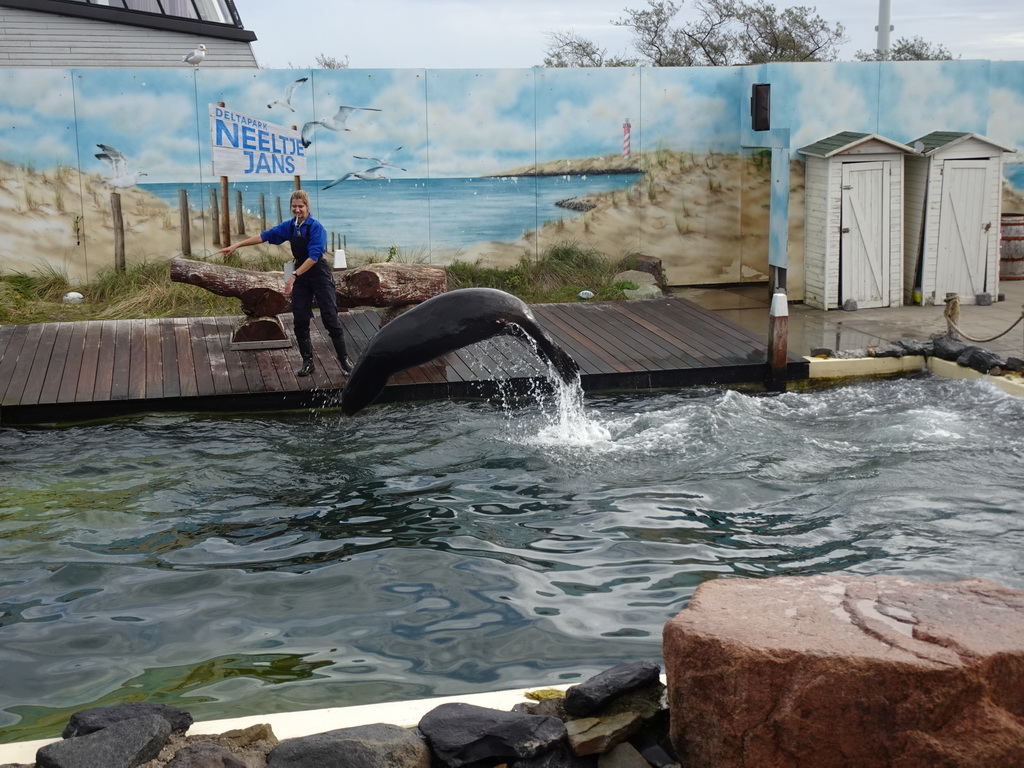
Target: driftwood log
[(395, 286), (262, 293)]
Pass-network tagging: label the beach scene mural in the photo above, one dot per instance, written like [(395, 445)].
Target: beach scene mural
[(485, 166)]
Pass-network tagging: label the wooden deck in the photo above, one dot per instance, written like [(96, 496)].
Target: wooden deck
[(60, 372)]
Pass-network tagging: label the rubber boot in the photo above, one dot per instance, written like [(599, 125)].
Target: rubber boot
[(306, 350), (339, 348)]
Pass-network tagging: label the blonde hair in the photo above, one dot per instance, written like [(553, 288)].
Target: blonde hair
[(300, 194)]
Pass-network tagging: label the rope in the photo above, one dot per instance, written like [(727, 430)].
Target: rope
[(952, 315)]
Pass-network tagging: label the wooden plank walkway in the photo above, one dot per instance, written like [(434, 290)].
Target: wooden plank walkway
[(59, 372)]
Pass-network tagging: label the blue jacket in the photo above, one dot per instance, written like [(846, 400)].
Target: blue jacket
[(308, 240)]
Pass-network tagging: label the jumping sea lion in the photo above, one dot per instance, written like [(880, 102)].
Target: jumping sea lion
[(442, 324)]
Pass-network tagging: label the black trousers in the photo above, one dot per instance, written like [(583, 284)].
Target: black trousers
[(320, 285)]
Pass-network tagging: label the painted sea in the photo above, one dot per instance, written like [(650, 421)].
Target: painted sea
[(418, 216)]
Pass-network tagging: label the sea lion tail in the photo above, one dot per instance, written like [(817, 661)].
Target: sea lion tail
[(550, 352)]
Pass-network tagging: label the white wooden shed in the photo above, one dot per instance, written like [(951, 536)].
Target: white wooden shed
[(953, 195), (853, 228)]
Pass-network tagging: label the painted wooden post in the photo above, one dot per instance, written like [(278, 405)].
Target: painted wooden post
[(239, 213), (225, 214), (115, 207), (298, 179), (225, 217), (186, 224), (215, 217), (778, 343)]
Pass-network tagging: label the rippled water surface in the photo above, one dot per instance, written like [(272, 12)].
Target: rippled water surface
[(251, 564)]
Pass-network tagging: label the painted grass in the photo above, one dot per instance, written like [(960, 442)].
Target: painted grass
[(145, 289)]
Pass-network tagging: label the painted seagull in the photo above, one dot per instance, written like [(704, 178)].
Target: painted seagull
[(335, 123), (382, 162), (196, 57), (121, 177), (288, 92), (370, 174)]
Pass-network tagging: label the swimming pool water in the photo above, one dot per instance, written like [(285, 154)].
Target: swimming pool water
[(248, 564)]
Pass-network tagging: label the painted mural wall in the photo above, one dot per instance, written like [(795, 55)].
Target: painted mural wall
[(438, 165)]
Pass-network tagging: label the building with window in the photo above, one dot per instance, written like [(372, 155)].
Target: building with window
[(122, 33)]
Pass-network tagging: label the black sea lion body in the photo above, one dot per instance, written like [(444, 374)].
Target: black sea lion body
[(440, 325)]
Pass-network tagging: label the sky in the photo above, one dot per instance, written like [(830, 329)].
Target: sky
[(484, 34)]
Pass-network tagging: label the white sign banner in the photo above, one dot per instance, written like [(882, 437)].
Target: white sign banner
[(247, 146)]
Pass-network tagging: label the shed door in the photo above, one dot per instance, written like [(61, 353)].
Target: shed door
[(961, 253), (864, 240)]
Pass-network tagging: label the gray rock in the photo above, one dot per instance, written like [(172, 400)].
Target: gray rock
[(365, 746), (643, 263), (979, 359), (559, 757), (623, 756), (887, 350), (637, 276), (643, 292), (588, 697), (850, 305), (946, 348), (95, 719), (205, 755), (852, 354), (576, 204), (597, 735), (464, 734), (913, 347), (554, 706), (124, 744), (1014, 364)]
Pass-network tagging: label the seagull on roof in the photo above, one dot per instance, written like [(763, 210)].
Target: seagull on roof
[(288, 92), (370, 174), (196, 57), (121, 177), (335, 123), (382, 162)]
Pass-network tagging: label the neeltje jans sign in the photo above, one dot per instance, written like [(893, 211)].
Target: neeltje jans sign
[(247, 146)]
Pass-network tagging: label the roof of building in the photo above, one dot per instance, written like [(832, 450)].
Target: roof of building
[(845, 141), (190, 21), (937, 140)]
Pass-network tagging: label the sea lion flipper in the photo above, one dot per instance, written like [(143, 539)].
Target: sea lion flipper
[(547, 349)]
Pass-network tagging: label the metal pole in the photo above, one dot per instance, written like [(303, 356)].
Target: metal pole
[(884, 27), (778, 344)]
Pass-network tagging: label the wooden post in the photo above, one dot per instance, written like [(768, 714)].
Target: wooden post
[(952, 315), (225, 218), (186, 223), (263, 212), (215, 217), (239, 213), (225, 214), (298, 179), (115, 207), (778, 344), (280, 216)]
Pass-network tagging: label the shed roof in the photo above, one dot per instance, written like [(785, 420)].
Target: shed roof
[(845, 141), (937, 140)]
